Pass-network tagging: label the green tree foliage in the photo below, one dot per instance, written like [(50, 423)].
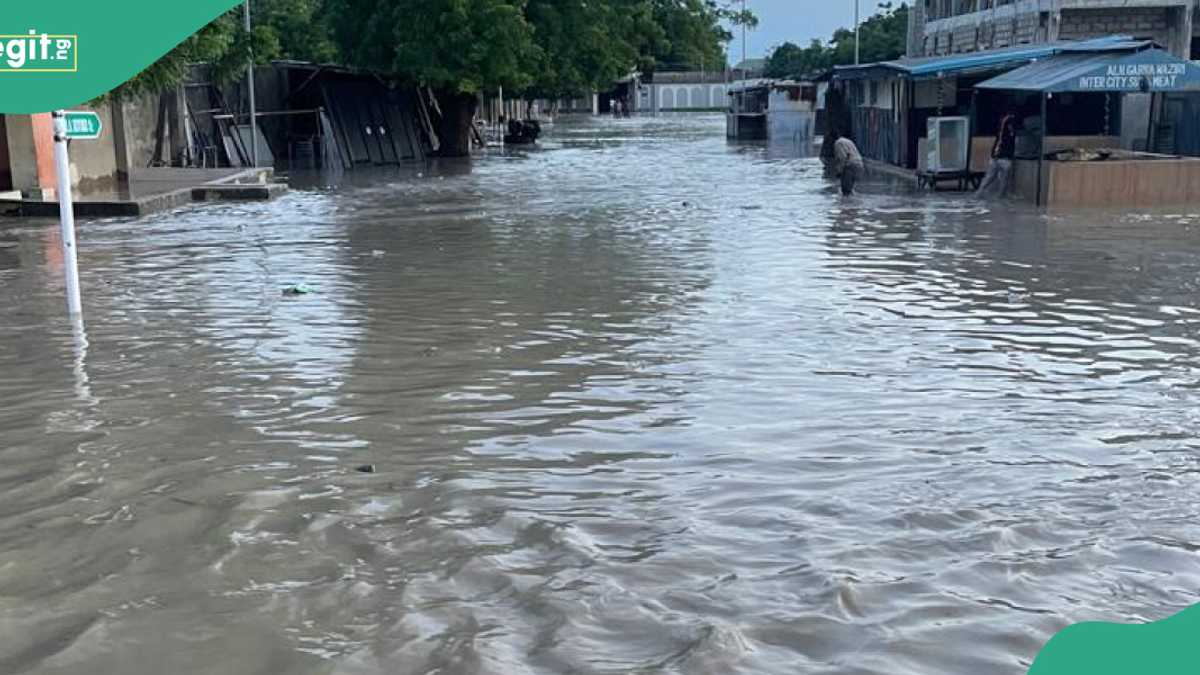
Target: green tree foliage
[(461, 45), (791, 60), (581, 43), (219, 43), (884, 37), (291, 28), (534, 47), (586, 45), (301, 29), (689, 34)]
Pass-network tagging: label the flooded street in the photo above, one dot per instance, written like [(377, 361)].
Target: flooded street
[(636, 401)]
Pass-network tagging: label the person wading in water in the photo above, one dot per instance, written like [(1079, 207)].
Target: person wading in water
[(847, 163), (995, 182)]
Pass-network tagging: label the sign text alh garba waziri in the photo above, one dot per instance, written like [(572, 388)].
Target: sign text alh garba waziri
[(36, 52), (1131, 76)]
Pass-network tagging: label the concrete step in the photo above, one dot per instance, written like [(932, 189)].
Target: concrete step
[(233, 192)]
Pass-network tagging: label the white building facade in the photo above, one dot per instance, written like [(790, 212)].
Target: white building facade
[(682, 92)]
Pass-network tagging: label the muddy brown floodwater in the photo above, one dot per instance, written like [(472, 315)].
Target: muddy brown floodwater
[(637, 401)]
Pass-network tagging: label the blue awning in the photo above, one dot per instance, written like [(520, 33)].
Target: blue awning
[(985, 61), (1146, 70)]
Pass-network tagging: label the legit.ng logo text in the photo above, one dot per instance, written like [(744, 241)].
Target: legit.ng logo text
[(35, 52)]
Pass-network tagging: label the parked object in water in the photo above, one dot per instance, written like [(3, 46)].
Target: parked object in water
[(792, 115), (522, 132), (948, 154), (746, 118), (298, 289)]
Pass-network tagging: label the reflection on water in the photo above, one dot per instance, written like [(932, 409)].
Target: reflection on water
[(638, 400)]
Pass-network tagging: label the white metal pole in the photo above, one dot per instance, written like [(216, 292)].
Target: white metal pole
[(856, 22), (82, 387), (253, 103), (66, 212)]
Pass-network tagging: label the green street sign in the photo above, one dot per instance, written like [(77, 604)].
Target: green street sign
[(83, 125)]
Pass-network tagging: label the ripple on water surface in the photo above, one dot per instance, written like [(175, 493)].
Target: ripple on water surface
[(637, 401)]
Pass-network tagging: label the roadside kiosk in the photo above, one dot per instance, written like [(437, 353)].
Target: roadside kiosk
[(1101, 172)]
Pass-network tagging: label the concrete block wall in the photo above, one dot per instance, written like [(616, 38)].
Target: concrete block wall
[(94, 163), (985, 32), (24, 150), (1143, 22), (134, 125), (29, 143), (1168, 22)]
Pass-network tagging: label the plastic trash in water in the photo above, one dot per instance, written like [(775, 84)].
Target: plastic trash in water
[(298, 289)]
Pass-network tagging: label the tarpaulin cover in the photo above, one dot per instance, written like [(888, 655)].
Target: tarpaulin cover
[(990, 60), (1148, 70)]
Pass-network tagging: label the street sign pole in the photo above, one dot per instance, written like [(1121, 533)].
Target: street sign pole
[(253, 103), (66, 211), (857, 51)]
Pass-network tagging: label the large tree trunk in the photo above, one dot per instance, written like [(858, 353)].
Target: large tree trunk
[(454, 127)]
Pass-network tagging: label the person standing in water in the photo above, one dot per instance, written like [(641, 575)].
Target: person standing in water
[(847, 163), (995, 182)]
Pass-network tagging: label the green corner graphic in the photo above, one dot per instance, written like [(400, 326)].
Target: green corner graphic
[(1167, 647), (103, 45)]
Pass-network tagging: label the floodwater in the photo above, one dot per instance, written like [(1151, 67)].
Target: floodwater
[(636, 401)]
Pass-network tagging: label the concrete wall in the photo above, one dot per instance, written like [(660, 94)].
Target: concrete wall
[(22, 153), (693, 96), (135, 125), (30, 146), (925, 93), (1168, 22), (1140, 22), (1021, 22), (1123, 183), (94, 163), (5, 170)]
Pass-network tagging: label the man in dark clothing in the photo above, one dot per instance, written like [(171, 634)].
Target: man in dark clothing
[(995, 182)]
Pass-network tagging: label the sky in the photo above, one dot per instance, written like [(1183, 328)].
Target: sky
[(797, 21)]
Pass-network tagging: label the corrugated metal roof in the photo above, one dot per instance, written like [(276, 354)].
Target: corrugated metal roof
[(1146, 70), (743, 85), (992, 59)]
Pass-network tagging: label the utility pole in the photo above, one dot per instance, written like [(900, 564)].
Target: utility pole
[(253, 103), (856, 21), (743, 39)]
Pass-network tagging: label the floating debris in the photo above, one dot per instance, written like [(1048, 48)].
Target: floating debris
[(298, 289)]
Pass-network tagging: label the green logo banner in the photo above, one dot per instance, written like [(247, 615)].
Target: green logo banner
[(64, 53), (1167, 647)]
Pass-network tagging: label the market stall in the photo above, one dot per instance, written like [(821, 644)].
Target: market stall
[(1092, 170)]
